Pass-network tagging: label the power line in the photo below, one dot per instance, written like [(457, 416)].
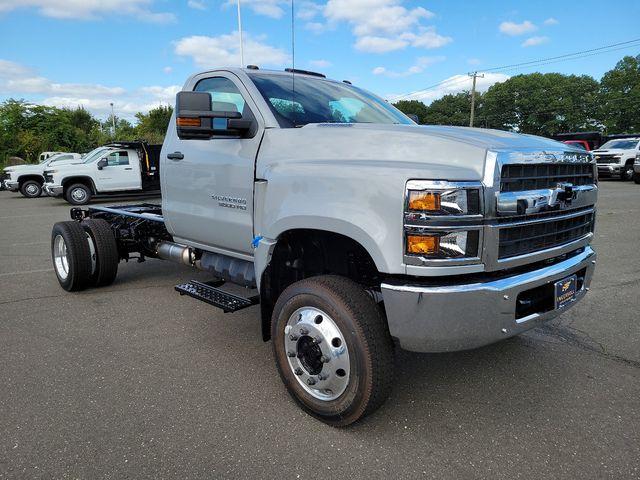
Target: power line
[(532, 63)]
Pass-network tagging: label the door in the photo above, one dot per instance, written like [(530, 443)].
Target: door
[(207, 196), (122, 172)]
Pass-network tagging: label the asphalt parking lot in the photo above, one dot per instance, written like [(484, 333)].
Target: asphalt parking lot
[(134, 381)]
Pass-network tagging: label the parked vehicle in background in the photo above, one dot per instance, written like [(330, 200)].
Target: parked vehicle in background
[(616, 157), (353, 226), (29, 179), (120, 168), (583, 144), (636, 169), (46, 155)]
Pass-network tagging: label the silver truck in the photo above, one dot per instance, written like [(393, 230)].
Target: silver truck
[(354, 229)]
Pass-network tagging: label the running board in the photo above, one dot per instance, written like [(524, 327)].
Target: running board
[(226, 301)]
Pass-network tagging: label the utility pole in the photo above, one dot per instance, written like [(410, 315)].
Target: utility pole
[(240, 32), (474, 75), (113, 120)]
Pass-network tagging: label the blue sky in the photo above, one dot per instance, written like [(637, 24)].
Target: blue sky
[(137, 53)]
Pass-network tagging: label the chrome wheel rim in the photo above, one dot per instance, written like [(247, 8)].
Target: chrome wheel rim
[(60, 258), (31, 189), (317, 353), (78, 194)]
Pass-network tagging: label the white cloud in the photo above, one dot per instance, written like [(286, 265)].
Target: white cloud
[(418, 67), (380, 26), (534, 41), (514, 29), (453, 85), (268, 8), (308, 10), (90, 9), (167, 70), (551, 21), (20, 81), (320, 63), (197, 4), (224, 50)]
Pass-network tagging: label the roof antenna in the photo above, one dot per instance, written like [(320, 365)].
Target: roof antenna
[(240, 33), (293, 58)]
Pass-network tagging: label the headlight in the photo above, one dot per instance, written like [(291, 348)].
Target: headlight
[(439, 198), (443, 244)]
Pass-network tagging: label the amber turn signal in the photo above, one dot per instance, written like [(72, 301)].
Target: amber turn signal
[(426, 244), (188, 122), (424, 201)]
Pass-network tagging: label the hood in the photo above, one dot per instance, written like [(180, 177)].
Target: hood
[(73, 161), (454, 153), (609, 151)]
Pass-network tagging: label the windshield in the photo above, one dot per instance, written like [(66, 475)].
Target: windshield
[(621, 144), (95, 154), (317, 100)]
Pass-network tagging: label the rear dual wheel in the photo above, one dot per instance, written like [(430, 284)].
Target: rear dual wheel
[(333, 349), (84, 254)]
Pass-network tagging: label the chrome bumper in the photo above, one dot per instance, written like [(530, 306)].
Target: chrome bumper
[(459, 317), (609, 169), (53, 190), (12, 186)]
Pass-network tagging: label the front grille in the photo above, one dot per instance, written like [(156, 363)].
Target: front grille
[(48, 178), (4, 176), (521, 177), (606, 159), (529, 238)]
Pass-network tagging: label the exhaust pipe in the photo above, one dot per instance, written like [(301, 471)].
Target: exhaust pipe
[(175, 253)]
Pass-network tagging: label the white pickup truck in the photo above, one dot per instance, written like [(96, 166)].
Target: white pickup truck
[(28, 179), (616, 157), (123, 168)]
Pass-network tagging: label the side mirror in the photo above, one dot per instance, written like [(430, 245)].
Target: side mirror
[(102, 163), (195, 118), (413, 117)]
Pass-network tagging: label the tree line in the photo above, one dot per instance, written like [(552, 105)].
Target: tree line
[(27, 129), (546, 103)]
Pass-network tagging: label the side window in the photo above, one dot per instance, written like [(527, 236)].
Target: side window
[(225, 96), (118, 158)]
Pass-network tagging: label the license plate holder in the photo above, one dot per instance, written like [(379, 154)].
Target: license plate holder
[(565, 291)]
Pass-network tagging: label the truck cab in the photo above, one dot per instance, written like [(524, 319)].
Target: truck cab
[(126, 167), (616, 157)]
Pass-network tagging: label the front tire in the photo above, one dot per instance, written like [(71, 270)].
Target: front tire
[(636, 177), (71, 256), (333, 349), (627, 172), (78, 194), (31, 189)]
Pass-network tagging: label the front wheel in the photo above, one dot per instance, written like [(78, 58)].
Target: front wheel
[(78, 194), (333, 349), (627, 172), (636, 177), (31, 189)]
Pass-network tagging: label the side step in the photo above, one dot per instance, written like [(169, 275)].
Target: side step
[(212, 295)]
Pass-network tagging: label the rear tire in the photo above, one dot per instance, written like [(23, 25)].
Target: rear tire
[(106, 256), (78, 194), (31, 189), (71, 255), (636, 177), (348, 373)]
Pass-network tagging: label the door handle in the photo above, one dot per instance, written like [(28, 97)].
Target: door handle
[(130, 168), (175, 156)]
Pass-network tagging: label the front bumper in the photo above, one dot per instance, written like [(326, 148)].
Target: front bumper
[(463, 316), (611, 169), (12, 186), (53, 190)]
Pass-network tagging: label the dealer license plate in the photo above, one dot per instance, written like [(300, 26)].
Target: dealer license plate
[(566, 290)]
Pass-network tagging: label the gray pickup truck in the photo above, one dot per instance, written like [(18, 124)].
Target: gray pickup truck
[(354, 229)]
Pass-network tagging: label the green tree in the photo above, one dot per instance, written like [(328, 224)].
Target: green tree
[(152, 126), (542, 104), (620, 96), (414, 107), (453, 109)]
